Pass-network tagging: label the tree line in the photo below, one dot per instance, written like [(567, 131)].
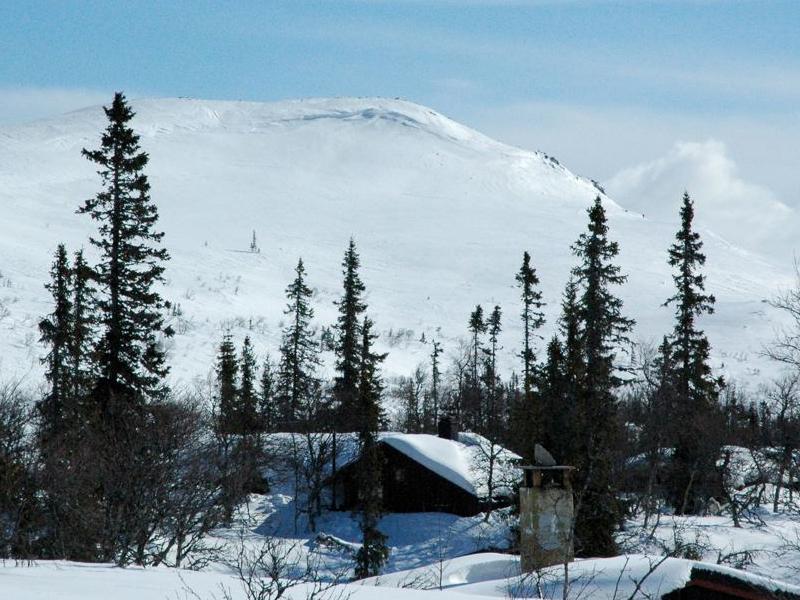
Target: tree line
[(574, 399), (577, 394)]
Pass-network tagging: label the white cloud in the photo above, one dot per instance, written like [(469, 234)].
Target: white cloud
[(601, 141), (18, 104), (744, 213), (746, 189)]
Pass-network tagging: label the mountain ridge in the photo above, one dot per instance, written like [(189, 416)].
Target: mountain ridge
[(441, 214)]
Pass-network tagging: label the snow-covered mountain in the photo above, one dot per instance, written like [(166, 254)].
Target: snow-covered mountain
[(441, 215)]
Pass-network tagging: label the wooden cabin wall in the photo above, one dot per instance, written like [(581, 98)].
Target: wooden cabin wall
[(409, 487)]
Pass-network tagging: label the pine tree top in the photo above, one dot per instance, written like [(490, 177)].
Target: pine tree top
[(493, 323), (596, 249), (476, 322), (56, 328), (226, 355), (297, 290), (348, 324), (686, 254), (248, 360), (598, 312), (596, 273)]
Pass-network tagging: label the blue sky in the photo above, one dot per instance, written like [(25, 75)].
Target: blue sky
[(603, 85), (675, 54)]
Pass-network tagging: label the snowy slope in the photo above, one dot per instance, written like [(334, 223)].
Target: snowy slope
[(466, 578), (441, 215)]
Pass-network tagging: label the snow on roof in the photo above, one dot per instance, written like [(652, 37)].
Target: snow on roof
[(625, 576), (464, 463), (750, 580), (446, 458)]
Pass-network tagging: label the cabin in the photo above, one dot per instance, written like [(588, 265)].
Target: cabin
[(712, 582), (429, 473)]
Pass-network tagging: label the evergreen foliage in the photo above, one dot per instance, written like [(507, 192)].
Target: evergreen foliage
[(297, 383), (56, 333), (559, 382), (532, 319), (374, 552), (573, 369), (492, 413), (227, 372), (124, 473), (556, 416), (117, 455), (82, 331), (604, 330), (527, 421), (129, 361), (436, 376), (246, 413), (695, 390), (472, 401), (267, 411), (348, 340)]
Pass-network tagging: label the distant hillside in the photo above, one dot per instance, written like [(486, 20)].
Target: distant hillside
[(441, 215)]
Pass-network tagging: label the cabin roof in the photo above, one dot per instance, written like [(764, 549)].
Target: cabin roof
[(462, 462), (740, 584)]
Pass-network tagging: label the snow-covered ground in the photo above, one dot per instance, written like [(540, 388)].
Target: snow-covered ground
[(436, 555), (431, 558), (473, 577), (441, 215)]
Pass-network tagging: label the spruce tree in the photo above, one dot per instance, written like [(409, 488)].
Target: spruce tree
[(348, 342), (493, 410), (571, 330), (56, 332), (477, 327), (473, 397), (227, 372), (604, 330), (526, 422), (435, 383), (574, 368), (560, 381), (532, 320), (373, 552), (80, 342), (268, 415), (695, 389), (556, 406), (299, 351), (129, 362), (247, 401)]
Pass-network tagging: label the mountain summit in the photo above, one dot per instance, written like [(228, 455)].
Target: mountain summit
[(440, 212)]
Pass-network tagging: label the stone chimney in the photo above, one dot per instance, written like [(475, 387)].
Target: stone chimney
[(448, 428), (545, 517)]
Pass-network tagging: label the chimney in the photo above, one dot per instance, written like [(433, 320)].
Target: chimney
[(546, 515), (448, 428)]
